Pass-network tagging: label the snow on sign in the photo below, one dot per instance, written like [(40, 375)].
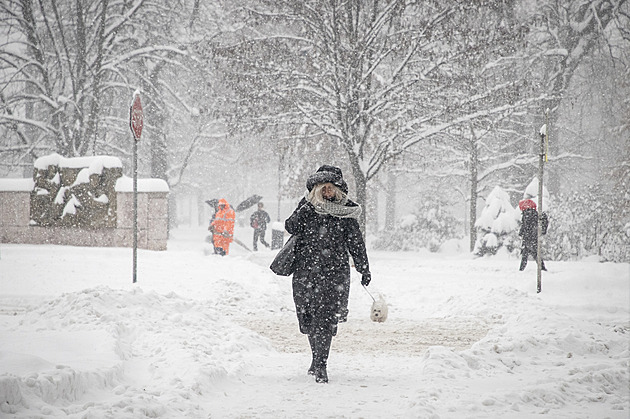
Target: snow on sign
[(136, 116)]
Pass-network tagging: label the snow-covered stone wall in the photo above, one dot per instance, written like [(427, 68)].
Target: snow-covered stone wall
[(82, 201), (76, 192)]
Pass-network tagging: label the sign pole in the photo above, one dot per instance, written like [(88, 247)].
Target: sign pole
[(541, 161), (136, 118), (135, 209)]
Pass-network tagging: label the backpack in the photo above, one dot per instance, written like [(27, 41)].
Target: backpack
[(544, 224), (253, 221)]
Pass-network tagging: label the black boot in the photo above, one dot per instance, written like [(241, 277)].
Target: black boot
[(321, 359), (311, 341), (542, 265), (523, 264), (321, 376)]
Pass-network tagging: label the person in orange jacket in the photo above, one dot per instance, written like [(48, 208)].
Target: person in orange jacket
[(223, 227)]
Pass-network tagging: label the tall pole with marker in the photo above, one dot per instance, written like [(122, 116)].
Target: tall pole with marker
[(542, 158), (135, 123)]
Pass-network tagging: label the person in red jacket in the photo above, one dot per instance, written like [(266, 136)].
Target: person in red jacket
[(529, 231), (223, 227)]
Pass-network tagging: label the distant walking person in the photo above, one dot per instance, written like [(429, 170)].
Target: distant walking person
[(258, 221), (222, 227), (529, 231)]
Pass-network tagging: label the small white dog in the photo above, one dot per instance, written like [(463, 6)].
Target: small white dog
[(379, 310)]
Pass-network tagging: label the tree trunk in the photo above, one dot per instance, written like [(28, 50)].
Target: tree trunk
[(154, 115), (201, 210), (390, 203), (92, 128), (360, 186), (159, 160), (578, 41), (172, 211), (474, 182)]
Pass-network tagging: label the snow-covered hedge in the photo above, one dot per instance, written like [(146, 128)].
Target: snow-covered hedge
[(428, 227), (581, 225)]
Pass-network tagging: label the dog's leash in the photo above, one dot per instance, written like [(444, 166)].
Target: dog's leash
[(366, 290)]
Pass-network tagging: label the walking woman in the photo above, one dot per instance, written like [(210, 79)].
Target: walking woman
[(327, 232)]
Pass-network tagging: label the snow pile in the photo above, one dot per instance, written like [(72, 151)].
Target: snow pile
[(575, 361), (184, 345), (531, 192), (125, 184), (94, 163)]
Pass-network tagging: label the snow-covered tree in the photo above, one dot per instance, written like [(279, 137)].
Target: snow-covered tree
[(486, 91), (531, 192), (497, 224), (68, 70), (374, 77), (501, 44), (564, 33), (564, 37)]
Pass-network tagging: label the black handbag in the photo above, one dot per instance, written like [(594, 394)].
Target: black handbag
[(284, 262)]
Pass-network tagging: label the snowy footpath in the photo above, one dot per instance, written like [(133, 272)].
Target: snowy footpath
[(204, 336)]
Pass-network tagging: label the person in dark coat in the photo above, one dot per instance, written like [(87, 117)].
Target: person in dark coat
[(258, 221), (327, 233), (529, 231)]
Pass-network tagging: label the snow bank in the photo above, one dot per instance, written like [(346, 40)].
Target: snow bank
[(98, 331)]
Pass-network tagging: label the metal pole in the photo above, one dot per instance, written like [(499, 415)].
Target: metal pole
[(280, 171), (135, 208), (279, 186), (541, 156)]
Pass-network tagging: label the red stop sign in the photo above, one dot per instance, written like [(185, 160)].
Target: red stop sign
[(136, 117)]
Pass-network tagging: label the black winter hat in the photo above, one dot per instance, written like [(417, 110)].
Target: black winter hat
[(326, 174)]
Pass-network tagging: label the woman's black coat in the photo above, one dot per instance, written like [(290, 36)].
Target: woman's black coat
[(321, 282)]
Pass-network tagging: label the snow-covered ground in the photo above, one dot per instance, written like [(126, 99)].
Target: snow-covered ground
[(202, 336)]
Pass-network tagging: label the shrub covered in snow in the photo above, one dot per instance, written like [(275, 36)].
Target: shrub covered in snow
[(498, 224), (582, 225), (427, 227)]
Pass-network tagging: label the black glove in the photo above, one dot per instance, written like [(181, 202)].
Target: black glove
[(366, 278)]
